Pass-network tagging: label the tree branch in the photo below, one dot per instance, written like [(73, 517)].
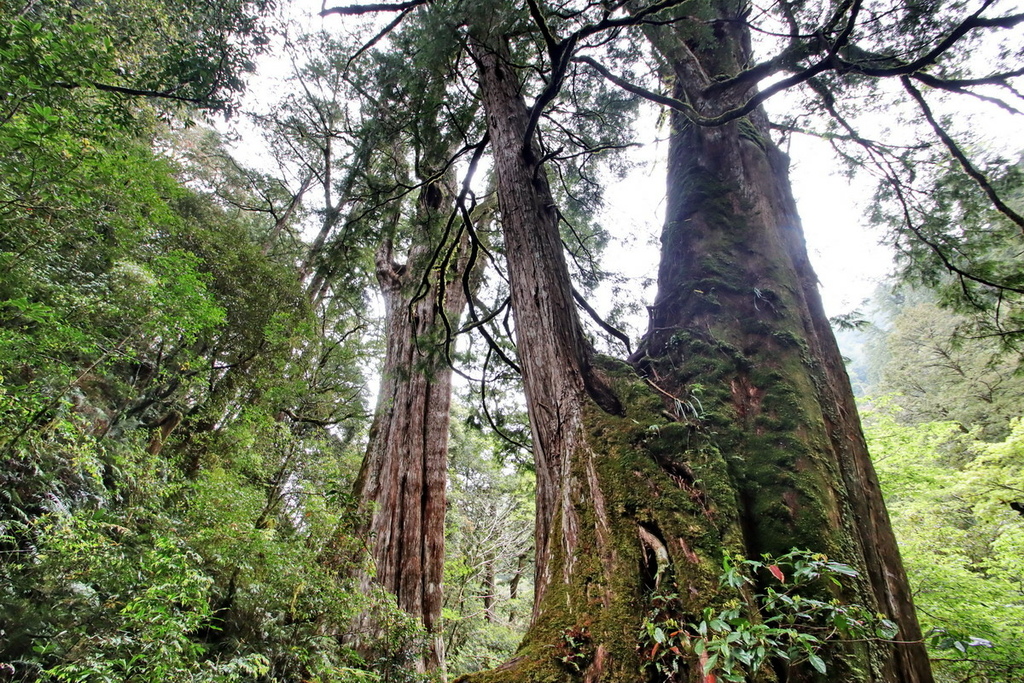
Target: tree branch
[(353, 10), (134, 92), (960, 86), (561, 52), (380, 36), (606, 326), (633, 88), (966, 26), (959, 155)]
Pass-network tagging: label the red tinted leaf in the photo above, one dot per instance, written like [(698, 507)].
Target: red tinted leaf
[(709, 677), (776, 572)]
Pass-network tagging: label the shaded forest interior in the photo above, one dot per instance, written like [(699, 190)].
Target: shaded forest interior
[(373, 403)]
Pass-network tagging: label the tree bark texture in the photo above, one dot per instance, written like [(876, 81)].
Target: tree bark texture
[(554, 355), (403, 478), (590, 478), (736, 285), (742, 439)]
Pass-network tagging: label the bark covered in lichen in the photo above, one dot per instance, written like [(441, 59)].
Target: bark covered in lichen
[(738, 323), (638, 497)]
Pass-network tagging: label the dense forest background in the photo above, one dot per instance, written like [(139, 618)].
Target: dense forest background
[(190, 349)]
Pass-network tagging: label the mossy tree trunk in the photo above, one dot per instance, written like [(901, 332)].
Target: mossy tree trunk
[(738, 311), (403, 478), (744, 438), (599, 493), (606, 507)]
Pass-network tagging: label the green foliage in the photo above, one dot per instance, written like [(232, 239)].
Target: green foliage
[(488, 555), (131, 601), (950, 499), (938, 370), (174, 51), (792, 622), (177, 423), (952, 241)]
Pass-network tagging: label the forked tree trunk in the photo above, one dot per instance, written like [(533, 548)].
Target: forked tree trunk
[(749, 441), (404, 474)]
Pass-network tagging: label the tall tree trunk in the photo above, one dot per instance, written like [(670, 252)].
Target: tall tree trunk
[(513, 586), (761, 451), (736, 284), (739, 314), (404, 474), (554, 355)]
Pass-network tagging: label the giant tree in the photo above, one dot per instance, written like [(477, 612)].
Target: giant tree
[(404, 475), (422, 264), (734, 430)]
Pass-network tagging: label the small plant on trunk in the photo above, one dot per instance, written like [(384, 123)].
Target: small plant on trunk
[(574, 650)]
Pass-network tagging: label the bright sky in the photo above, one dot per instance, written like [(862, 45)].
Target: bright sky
[(848, 253), (844, 249)]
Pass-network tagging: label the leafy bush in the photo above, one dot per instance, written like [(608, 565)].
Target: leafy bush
[(951, 503)]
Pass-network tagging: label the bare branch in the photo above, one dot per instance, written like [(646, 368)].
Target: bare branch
[(377, 38), (487, 413), (633, 88), (605, 325), (134, 92), (961, 86), (542, 26), (992, 79)]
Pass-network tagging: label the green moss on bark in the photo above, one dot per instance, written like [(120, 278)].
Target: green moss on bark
[(747, 474), (653, 474)]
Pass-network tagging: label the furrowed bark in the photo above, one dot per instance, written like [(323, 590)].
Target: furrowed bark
[(556, 360), (745, 439), (597, 530), (404, 475)]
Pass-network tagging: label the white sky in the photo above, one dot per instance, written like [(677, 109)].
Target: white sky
[(847, 252), (844, 249)]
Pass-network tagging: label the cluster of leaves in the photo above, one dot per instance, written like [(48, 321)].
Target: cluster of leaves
[(931, 364), (791, 622), (178, 420), (103, 55), (954, 503), (574, 650)]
